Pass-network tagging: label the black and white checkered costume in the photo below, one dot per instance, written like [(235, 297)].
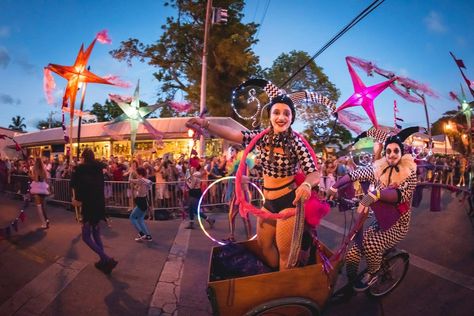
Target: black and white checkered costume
[(281, 166), (376, 241), (377, 134)]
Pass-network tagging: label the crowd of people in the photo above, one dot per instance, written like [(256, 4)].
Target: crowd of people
[(450, 170)]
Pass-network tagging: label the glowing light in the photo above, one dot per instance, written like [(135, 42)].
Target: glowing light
[(200, 201)]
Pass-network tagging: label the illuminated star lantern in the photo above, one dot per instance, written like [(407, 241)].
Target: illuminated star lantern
[(464, 106), (135, 114), (76, 75), (364, 96)]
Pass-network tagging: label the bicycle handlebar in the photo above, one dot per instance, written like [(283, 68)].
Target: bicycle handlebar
[(346, 203)]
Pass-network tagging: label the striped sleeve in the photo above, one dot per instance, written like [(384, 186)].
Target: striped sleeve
[(248, 136), (365, 174), (377, 134)]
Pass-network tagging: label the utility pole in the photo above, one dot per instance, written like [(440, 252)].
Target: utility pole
[(202, 102)]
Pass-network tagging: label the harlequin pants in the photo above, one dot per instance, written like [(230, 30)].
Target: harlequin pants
[(374, 244)]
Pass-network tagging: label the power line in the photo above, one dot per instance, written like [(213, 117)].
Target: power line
[(350, 25), (262, 19)]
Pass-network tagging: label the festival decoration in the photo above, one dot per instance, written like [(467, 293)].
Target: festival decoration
[(407, 88), (181, 106), (17, 146), (77, 76), (396, 119), (466, 109), (461, 66), (463, 107), (319, 210), (247, 96), (364, 96), (135, 114), (202, 197)]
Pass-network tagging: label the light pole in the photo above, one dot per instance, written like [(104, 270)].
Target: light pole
[(202, 101), (447, 126)]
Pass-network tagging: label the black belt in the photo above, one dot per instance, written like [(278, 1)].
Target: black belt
[(280, 187)]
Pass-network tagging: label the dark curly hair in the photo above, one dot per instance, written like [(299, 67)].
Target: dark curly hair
[(395, 139)]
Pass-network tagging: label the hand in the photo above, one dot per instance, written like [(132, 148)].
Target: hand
[(331, 193), (378, 150), (303, 193), (362, 209), (76, 203), (195, 121), (368, 199)]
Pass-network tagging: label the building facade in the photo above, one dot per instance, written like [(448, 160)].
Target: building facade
[(114, 139)]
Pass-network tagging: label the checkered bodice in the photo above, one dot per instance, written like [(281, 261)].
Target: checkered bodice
[(281, 166)]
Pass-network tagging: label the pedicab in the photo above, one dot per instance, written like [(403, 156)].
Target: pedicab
[(303, 290), (240, 284)]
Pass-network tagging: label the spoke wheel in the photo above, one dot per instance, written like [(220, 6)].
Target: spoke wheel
[(392, 272), (294, 306)]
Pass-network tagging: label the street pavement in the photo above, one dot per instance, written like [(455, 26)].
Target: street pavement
[(51, 272)]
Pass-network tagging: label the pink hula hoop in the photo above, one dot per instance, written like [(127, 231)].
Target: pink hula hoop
[(244, 206)]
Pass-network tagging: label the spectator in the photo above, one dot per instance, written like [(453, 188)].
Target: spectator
[(142, 185), (39, 175), (88, 185)]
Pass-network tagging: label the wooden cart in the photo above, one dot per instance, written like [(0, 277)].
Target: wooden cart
[(298, 291)]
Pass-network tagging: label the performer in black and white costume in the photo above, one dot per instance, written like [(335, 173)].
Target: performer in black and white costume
[(394, 179)]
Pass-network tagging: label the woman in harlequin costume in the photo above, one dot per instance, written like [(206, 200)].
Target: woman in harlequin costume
[(394, 179), (282, 152)]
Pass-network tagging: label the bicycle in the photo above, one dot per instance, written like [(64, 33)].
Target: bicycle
[(394, 266)]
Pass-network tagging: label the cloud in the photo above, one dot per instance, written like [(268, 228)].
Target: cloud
[(4, 57), (8, 99), (25, 65), (4, 31), (434, 22)]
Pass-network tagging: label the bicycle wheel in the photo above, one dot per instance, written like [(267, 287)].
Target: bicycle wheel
[(286, 306), (391, 273)]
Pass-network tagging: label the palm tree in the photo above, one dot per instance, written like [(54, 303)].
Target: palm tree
[(17, 123)]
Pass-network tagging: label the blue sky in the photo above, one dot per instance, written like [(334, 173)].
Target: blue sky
[(409, 37)]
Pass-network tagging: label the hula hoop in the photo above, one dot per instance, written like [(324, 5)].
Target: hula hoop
[(199, 208)]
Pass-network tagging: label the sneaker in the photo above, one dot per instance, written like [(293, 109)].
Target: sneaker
[(365, 282), (343, 295), (109, 266), (140, 237), (148, 238), (211, 222), (190, 226), (99, 265)]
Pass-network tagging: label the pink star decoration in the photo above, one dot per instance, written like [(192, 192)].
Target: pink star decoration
[(364, 96)]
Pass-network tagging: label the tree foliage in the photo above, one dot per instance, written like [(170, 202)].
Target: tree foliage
[(18, 123), (177, 55), (318, 121), (48, 123), (106, 112)]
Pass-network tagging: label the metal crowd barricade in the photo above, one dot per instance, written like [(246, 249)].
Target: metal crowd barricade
[(169, 196)]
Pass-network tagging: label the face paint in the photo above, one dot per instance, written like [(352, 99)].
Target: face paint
[(280, 117), (393, 154)]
